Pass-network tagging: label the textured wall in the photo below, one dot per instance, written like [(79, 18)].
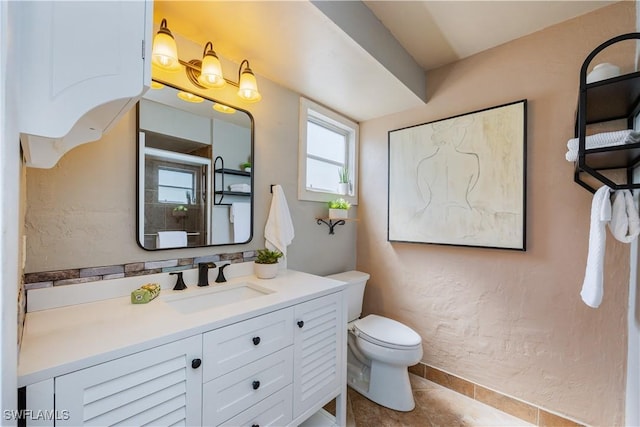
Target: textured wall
[(81, 213), (511, 321)]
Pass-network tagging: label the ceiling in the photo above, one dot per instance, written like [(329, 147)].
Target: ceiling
[(356, 72)]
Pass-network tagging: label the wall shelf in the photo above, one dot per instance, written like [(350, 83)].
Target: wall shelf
[(608, 100), (221, 172)]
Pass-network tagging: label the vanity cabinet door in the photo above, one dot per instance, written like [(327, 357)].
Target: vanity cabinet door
[(319, 343), (160, 386)]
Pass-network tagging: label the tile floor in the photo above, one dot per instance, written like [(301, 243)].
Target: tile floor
[(435, 406)]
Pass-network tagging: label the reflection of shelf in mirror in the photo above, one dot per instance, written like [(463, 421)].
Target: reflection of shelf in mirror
[(332, 222), (233, 193), (233, 172)]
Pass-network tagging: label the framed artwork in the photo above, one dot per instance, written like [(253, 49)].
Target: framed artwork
[(461, 181)]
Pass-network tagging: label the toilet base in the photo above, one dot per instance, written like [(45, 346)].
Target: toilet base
[(387, 385)]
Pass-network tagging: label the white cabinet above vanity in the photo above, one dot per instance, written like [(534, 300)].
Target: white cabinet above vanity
[(83, 65), (276, 359)]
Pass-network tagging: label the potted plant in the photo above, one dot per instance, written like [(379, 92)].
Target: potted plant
[(246, 166), (343, 181), (266, 263), (339, 209)]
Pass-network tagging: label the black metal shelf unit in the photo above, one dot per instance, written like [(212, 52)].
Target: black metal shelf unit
[(617, 98), (222, 171)]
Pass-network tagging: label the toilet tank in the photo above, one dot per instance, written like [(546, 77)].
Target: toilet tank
[(356, 281)]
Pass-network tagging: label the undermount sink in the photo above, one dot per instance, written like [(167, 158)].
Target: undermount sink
[(198, 300)]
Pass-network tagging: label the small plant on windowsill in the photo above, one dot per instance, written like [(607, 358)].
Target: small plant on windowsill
[(180, 211), (343, 180), (339, 209), (266, 263)]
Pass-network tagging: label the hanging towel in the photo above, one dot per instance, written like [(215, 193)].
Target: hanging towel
[(605, 139), (278, 232), (240, 217), (625, 224), (171, 239), (600, 215)]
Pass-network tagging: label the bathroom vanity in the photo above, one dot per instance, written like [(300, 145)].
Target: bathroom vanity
[(247, 352)]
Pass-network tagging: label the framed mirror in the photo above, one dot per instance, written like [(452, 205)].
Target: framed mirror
[(195, 180)]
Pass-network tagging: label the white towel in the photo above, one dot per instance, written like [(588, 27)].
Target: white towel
[(600, 215), (625, 224), (605, 139), (240, 217), (278, 232), (171, 239), (242, 188)]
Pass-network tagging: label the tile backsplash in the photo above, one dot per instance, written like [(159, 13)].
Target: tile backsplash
[(45, 279)]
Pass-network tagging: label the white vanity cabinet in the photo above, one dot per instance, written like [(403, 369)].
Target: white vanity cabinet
[(83, 65), (274, 367), (160, 386)]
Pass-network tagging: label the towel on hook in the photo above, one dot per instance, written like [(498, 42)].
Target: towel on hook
[(592, 289), (171, 239), (625, 224), (604, 139), (278, 232)]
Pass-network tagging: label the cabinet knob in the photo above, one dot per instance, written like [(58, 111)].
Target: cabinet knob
[(300, 323), (195, 363), (255, 385), (255, 425), (256, 340)]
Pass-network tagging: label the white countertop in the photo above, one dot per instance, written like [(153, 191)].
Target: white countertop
[(60, 340)]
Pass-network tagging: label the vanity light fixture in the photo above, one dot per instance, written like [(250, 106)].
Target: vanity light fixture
[(221, 108), (205, 73), (189, 97), (165, 51)]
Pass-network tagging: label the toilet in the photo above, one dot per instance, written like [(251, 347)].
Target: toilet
[(379, 350)]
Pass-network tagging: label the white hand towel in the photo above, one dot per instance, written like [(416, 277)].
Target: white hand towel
[(625, 224), (171, 239), (278, 232), (600, 214), (240, 216)]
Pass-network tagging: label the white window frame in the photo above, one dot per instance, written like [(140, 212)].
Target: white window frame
[(310, 109)]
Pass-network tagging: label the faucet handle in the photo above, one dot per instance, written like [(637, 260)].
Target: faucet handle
[(221, 278), (179, 282)]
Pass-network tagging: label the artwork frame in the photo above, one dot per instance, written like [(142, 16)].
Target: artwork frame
[(461, 180)]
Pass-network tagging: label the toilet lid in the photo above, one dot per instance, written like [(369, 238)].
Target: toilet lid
[(383, 331)]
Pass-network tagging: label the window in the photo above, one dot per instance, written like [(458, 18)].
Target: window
[(327, 155), (175, 186)]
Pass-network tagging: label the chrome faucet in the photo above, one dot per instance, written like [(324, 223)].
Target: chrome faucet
[(203, 273)]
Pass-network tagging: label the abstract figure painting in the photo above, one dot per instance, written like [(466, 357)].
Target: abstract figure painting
[(461, 180)]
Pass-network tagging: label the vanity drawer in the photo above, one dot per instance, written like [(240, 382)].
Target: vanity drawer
[(236, 391), (275, 410), (233, 346)]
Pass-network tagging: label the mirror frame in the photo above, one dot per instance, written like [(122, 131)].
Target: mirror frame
[(213, 192)]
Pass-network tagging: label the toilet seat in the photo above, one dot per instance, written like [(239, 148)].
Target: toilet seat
[(386, 332)]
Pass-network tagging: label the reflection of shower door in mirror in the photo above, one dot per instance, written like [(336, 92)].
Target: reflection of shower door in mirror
[(176, 196)]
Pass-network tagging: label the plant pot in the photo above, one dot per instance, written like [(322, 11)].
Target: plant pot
[(338, 213), (343, 188), (265, 271)]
